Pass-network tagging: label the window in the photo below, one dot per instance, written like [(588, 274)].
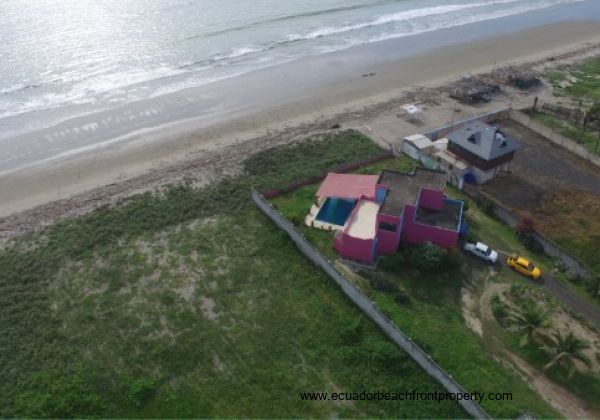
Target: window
[(387, 226)]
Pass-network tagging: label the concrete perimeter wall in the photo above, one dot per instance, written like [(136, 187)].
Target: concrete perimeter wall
[(367, 306), (554, 137), (550, 248)]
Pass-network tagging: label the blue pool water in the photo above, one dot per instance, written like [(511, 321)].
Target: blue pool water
[(335, 211)]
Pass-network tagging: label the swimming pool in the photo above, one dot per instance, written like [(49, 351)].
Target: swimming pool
[(335, 211)]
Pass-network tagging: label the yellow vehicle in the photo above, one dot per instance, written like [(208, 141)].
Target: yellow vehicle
[(523, 266)]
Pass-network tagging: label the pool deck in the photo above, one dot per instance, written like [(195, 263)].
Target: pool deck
[(311, 220), (363, 223)]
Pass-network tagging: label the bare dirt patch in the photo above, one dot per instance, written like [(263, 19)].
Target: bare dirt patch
[(557, 396), (470, 309), (207, 305)]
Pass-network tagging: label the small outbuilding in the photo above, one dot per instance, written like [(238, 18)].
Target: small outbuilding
[(416, 145)]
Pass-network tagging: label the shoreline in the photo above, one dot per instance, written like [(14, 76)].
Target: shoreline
[(205, 147)]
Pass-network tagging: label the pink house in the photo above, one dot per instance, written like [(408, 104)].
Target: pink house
[(372, 215)]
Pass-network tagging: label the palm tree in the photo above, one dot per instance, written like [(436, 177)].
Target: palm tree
[(564, 350), (529, 319)]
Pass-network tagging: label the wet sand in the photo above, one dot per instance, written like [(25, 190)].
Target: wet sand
[(109, 147)]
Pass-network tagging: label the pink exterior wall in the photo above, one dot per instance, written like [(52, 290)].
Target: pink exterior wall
[(414, 233), (354, 248), (387, 242), (431, 199), (347, 246)]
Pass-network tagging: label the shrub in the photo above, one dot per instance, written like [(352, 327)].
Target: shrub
[(525, 227), (392, 263), (402, 297), (499, 308), (431, 258), (532, 244), (381, 284), (518, 290), (141, 390), (593, 286), (486, 205), (385, 354)]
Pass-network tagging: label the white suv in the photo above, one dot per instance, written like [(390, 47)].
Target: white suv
[(482, 251)]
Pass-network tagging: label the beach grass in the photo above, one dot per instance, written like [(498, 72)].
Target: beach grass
[(578, 82), (588, 138), (189, 302)]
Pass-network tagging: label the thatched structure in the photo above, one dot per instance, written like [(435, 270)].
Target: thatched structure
[(521, 78), (473, 90)]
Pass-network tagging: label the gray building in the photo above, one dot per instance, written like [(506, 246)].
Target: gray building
[(487, 149)]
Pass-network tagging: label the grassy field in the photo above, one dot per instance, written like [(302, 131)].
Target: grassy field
[(434, 317), (573, 221), (588, 138), (190, 303), (575, 85), (581, 82)]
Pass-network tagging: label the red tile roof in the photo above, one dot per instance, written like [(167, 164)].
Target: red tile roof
[(348, 186)]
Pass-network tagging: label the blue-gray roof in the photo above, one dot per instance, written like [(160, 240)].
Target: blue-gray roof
[(483, 140)]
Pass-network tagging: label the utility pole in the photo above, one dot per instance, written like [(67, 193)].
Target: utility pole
[(453, 115)]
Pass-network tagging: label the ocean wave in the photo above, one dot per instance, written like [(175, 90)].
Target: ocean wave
[(395, 17), (285, 18), (86, 90), (117, 85), (523, 8)]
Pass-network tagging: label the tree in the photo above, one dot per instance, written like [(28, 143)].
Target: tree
[(529, 319), (525, 227), (565, 350)]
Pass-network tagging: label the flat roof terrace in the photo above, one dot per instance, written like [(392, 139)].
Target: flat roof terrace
[(364, 222), (447, 218), (405, 187)]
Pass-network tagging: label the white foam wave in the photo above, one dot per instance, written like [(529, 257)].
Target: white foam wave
[(396, 17), (465, 20)]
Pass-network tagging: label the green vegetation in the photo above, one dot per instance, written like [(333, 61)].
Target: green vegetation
[(528, 320), (581, 82), (192, 303), (428, 306), (586, 137), (431, 258), (580, 85), (565, 350), (548, 348)]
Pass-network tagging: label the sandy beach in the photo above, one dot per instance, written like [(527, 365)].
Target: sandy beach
[(206, 132)]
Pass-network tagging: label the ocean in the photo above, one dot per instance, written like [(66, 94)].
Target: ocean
[(63, 58)]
